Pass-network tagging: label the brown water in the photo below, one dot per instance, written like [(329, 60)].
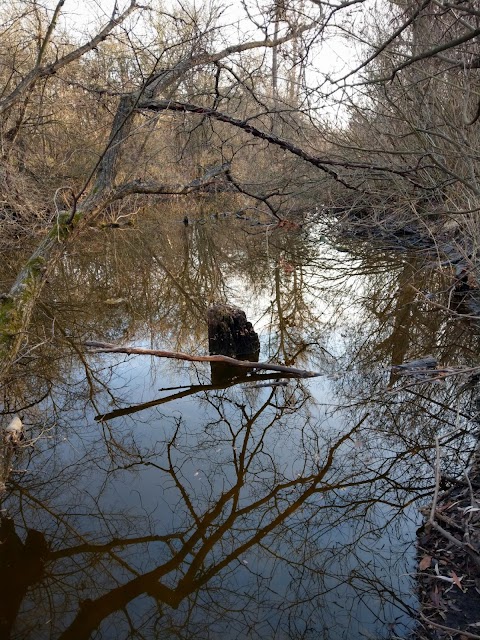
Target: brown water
[(150, 503)]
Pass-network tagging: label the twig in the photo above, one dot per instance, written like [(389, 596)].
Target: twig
[(449, 521), (465, 316), (433, 375), (473, 504), (448, 629), (467, 548), (431, 519)]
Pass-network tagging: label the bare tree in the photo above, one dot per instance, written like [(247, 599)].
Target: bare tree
[(100, 188), (407, 146)]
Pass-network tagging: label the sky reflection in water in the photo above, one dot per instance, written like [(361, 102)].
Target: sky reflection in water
[(153, 503)]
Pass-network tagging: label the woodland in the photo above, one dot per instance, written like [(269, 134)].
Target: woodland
[(348, 118), (364, 112)]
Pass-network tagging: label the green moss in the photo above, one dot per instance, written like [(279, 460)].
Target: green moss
[(64, 225), (6, 307), (35, 265), (11, 308), (8, 317)]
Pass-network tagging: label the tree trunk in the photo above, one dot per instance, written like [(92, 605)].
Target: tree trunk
[(120, 131)]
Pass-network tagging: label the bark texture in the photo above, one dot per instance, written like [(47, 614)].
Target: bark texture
[(230, 333)]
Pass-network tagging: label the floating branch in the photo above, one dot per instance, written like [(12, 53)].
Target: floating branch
[(414, 366), (106, 347)]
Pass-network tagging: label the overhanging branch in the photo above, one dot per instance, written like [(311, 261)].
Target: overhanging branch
[(50, 69), (158, 188), (322, 163)]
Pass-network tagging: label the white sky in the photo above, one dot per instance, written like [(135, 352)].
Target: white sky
[(333, 57), (82, 16)]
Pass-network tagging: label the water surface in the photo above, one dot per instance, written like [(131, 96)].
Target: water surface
[(152, 502)]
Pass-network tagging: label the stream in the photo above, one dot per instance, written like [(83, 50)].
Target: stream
[(152, 500)]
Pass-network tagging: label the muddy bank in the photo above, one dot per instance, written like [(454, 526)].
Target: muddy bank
[(448, 572), (449, 563)]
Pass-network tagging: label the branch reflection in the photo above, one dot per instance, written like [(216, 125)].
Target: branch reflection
[(234, 509)]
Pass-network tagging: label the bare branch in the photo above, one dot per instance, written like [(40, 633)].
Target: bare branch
[(321, 163), (41, 72), (106, 347), (157, 188)]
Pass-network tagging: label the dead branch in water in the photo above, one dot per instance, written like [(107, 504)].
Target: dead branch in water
[(449, 630), (434, 375), (106, 347)]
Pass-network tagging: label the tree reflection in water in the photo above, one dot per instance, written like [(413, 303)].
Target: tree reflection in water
[(225, 510)]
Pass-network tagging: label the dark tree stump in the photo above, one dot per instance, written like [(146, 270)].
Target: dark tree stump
[(230, 334)]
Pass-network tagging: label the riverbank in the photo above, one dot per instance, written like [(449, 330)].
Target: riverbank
[(449, 563)]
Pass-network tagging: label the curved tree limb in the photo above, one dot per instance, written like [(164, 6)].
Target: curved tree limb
[(161, 81), (107, 347), (322, 163), (166, 77)]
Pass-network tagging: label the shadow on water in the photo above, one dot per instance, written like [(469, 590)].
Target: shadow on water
[(149, 500)]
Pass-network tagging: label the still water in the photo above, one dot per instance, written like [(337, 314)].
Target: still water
[(151, 502)]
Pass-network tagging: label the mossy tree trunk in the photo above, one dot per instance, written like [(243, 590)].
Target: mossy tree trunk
[(17, 306)]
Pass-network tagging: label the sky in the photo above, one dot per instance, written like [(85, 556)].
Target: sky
[(80, 16), (332, 58)]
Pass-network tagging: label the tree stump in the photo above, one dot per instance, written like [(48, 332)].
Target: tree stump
[(230, 334)]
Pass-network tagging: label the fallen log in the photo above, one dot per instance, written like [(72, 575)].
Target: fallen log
[(107, 347)]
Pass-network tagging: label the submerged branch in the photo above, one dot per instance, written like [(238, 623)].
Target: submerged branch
[(189, 391), (140, 187), (434, 375), (106, 347), (449, 630)]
